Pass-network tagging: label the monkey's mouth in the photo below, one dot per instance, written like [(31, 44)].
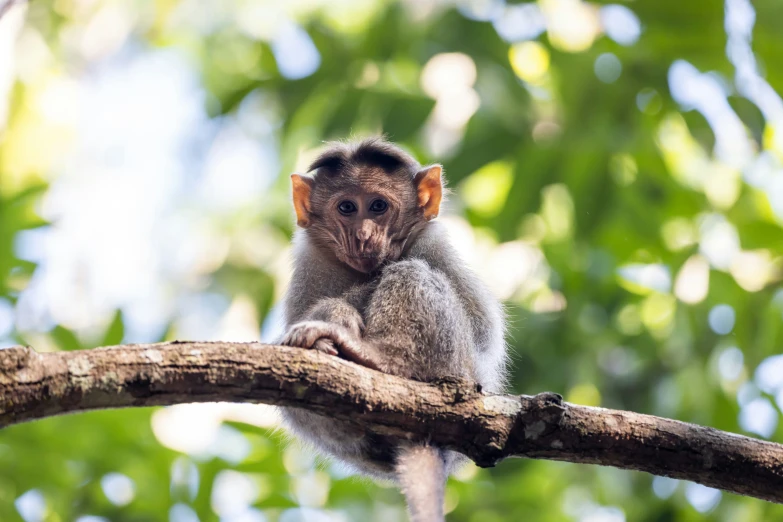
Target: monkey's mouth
[(364, 262)]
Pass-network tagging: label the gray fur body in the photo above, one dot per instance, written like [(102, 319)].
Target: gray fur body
[(427, 313)]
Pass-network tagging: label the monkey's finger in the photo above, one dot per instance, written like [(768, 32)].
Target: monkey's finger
[(325, 345), (292, 339), (303, 335), (308, 333), (298, 339)]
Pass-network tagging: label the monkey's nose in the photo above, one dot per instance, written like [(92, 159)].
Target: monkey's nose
[(365, 231)]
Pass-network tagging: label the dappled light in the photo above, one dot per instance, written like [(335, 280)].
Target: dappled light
[(615, 175)]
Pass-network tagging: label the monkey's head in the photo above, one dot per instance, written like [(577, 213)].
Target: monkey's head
[(364, 200)]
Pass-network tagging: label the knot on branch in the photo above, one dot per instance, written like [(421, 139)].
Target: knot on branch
[(541, 416), (546, 405)]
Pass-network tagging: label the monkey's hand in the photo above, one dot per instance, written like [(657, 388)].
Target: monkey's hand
[(332, 339)]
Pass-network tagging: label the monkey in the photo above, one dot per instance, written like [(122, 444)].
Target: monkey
[(377, 282)]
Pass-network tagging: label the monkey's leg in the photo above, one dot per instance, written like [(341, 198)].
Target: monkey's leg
[(417, 325)]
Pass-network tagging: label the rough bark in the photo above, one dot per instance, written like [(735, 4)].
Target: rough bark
[(455, 415)]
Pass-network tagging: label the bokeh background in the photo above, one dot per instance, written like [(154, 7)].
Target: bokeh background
[(617, 177)]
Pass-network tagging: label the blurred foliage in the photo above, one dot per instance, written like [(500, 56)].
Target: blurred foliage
[(590, 189)]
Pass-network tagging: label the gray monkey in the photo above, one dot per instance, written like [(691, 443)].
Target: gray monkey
[(377, 282)]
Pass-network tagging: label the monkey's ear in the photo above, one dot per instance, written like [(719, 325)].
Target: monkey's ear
[(302, 188), (430, 190)]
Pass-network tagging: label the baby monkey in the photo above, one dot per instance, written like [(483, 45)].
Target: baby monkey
[(377, 282)]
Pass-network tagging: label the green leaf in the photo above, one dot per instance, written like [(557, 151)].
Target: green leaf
[(761, 234), (65, 338), (405, 116), (115, 332)]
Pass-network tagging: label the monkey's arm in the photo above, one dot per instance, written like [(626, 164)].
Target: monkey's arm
[(339, 311), (335, 326), (335, 339), (483, 311)]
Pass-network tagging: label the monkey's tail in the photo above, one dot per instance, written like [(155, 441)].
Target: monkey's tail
[(421, 472)]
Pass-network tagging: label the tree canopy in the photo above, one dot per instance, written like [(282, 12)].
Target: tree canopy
[(617, 179)]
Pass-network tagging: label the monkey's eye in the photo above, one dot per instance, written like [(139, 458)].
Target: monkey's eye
[(378, 206), (346, 208)]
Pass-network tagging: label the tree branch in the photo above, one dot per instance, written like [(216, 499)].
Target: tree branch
[(452, 414)]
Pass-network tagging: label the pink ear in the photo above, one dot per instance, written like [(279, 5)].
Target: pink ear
[(430, 190), (302, 188)]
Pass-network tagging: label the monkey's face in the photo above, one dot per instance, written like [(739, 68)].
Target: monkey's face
[(365, 217), (365, 224)]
